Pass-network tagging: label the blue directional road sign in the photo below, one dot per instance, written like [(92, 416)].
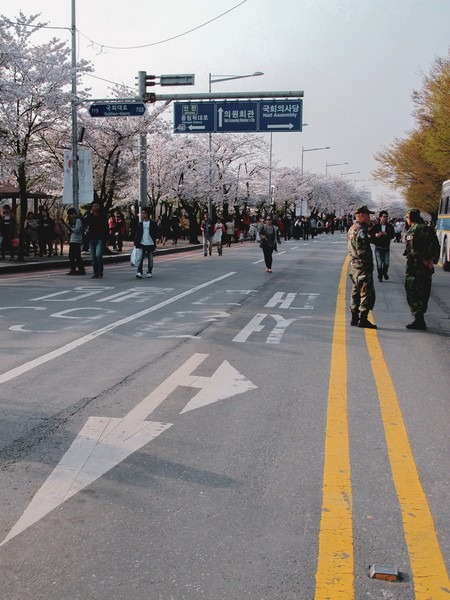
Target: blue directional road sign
[(117, 109), (193, 117), (280, 115), (238, 116)]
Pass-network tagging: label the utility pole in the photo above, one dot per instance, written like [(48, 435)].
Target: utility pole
[(75, 183), (142, 149)]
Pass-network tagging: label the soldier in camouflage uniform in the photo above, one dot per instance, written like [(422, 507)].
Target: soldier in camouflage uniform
[(422, 252), (361, 269)]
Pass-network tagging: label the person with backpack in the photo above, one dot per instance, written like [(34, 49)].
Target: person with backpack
[(422, 253)]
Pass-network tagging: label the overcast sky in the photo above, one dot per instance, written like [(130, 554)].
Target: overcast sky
[(357, 61)]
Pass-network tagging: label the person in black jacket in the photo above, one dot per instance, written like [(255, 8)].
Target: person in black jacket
[(381, 235), (96, 230), (145, 239)]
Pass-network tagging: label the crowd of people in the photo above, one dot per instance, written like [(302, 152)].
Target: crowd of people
[(46, 235)]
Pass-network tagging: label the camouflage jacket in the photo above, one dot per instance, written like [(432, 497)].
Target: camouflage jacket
[(421, 245), (359, 248)]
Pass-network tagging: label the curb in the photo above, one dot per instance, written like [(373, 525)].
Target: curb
[(107, 259)]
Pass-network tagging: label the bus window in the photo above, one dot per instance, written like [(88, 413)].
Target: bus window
[(443, 225)]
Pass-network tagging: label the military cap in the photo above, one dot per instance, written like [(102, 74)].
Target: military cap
[(413, 214), (364, 209)]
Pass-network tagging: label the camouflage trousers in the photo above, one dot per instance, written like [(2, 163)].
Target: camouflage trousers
[(418, 289), (363, 291)]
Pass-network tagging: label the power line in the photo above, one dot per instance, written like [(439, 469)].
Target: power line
[(101, 46)]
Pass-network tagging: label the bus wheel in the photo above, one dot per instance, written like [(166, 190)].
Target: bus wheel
[(445, 261)]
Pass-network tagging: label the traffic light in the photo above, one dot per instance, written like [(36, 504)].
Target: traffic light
[(150, 80)]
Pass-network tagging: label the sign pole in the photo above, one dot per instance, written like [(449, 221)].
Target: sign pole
[(75, 185), (142, 151)]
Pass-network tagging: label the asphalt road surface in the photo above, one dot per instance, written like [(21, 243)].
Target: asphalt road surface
[(217, 432)]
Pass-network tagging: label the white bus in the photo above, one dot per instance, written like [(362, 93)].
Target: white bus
[(443, 225)]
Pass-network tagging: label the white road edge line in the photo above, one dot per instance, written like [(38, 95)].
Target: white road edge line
[(36, 362)]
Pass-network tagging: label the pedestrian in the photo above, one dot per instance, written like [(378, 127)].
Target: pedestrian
[(46, 233), (219, 230), (121, 229), (269, 235), (229, 231), (75, 227), (398, 228), (312, 226), (59, 233), (175, 228), (422, 253), (8, 231), (112, 230), (361, 269), (31, 234), (96, 230), (206, 228), (146, 236), (381, 235)]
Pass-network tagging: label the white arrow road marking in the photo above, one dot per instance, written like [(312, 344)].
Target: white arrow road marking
[(224, 383), (101, 445), (105, 442)]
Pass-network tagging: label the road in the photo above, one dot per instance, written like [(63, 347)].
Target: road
[(219, 433)]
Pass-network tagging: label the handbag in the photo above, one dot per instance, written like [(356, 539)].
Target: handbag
[(136, 255)]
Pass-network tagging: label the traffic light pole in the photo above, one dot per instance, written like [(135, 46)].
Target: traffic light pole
[(142, 150)]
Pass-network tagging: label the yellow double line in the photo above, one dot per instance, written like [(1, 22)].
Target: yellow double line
[(335, 568)]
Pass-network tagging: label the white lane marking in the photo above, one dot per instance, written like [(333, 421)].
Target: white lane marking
[(22, 328), (36, 362), (105, 442), (21, 308), (254, 325), (277, 332)]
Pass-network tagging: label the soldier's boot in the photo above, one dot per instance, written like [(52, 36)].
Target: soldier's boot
[(355, 318), (380, 274), (385, 273), (418, 323), (364, 321)]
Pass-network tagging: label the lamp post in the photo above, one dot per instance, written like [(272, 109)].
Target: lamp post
[(75, 183), (333, 165), (312, 150), (350, 173), (217, 79)]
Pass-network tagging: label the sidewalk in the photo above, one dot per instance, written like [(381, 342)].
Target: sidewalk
[(42, 263)]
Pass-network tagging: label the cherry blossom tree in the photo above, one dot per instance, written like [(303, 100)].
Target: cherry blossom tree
[(34, 104)]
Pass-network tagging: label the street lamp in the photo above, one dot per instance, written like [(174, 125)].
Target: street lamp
[(216, 79), (333, 165), (219, 78), (311, 150), (350, 173)]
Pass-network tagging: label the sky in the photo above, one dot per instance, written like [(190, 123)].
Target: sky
[(357, 62)]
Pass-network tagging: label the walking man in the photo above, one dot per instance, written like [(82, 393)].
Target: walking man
[(146, 236), (96, 228), (206, 227), (381, 235), (422, 253), (361, 269)]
